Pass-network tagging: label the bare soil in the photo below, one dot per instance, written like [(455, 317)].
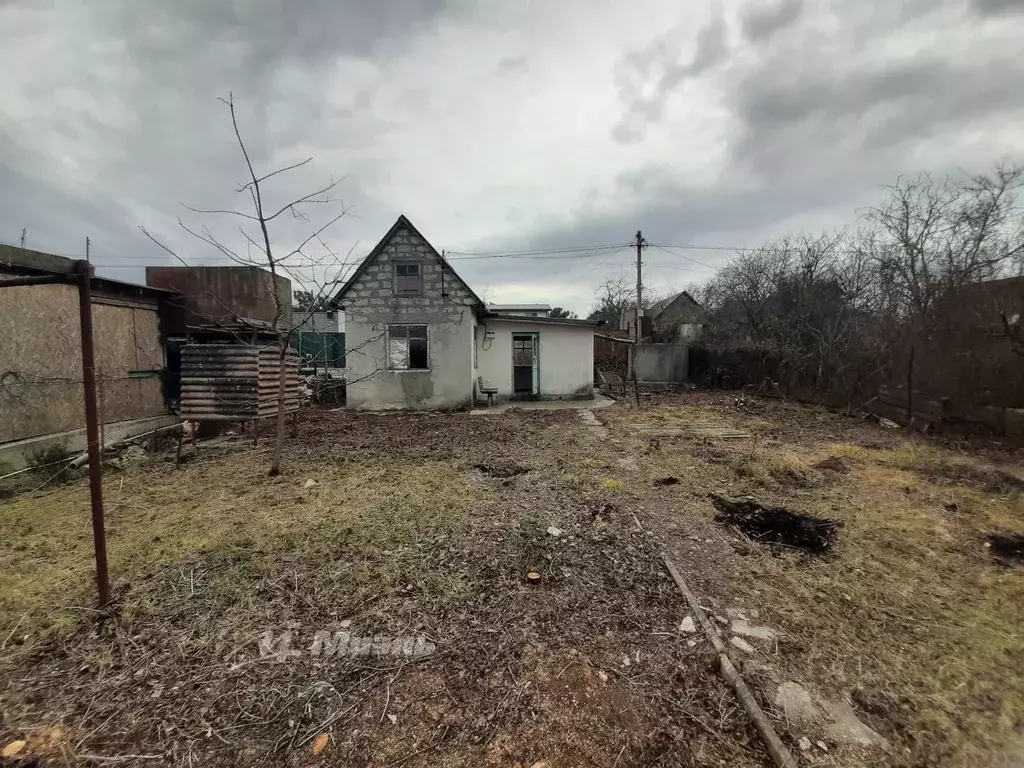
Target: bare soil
[(425, 525), (402, 534)]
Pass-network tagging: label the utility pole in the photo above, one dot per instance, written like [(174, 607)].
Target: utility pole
[(87, 249), (92, 431), (22, 242), (639, 283), (638, 314)]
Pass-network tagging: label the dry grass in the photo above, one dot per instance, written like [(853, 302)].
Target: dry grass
[(924, 615), (941, 467), (772, 469), (163, 516), (910, 612), (406, 538)]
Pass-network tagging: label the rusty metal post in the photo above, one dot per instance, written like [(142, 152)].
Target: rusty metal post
[(101, 411), (92, 432)]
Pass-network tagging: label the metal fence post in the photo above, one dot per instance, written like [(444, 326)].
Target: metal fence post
[(92, 431)]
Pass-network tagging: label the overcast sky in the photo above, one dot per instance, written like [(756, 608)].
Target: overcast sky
[(494, 126)]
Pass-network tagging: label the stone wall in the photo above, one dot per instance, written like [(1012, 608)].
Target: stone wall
[(444, 305)]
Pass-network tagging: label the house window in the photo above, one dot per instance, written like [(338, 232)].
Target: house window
[(407, 279), (407, 347)]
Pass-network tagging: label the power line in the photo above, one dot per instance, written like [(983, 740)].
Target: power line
[(683, 256), (689, 247), (538, 251), (668, 280), (605, 256), (552, 254), (546, 256)]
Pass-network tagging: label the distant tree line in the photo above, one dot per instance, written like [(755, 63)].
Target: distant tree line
[(919, 283)]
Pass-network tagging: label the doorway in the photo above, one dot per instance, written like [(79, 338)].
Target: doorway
[(525, 377)]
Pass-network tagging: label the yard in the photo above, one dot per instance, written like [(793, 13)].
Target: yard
[(423, 528)]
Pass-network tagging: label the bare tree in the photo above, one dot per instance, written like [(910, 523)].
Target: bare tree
[(914, 281), (317, 273), (933, 237), (617, 295)]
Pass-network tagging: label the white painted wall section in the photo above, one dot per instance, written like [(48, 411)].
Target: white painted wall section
[(566, 357)]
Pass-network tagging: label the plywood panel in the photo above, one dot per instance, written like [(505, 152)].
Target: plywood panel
[(41, 368)]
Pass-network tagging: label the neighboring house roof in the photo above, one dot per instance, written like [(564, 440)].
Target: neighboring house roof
[(518, 307), (543, 320), (660, 306), (400, 223), (1005, 288)]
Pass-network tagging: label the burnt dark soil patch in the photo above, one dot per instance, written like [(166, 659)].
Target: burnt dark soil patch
[(777, 525), (501, 469), (833, 464), (1007, 547)]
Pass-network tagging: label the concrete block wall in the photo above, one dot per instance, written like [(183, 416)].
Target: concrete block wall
[(444, 305)]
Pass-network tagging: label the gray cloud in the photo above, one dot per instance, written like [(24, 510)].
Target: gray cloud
[(997, 7), (647, 77), (851, 111), (495, 127), (831, 111), (510, 65), (762, 22)]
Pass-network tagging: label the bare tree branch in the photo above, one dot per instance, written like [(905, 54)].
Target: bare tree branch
[(270, 175)]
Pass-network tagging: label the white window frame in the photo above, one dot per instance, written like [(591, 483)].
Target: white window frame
[(388, 350)]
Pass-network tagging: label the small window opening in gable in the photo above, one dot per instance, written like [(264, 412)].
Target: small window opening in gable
[(407, 347), (408, 281)]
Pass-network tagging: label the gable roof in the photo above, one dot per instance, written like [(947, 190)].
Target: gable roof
[(400, 223), (660, 306)]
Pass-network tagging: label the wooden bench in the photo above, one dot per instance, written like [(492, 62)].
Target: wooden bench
[(485, 390)]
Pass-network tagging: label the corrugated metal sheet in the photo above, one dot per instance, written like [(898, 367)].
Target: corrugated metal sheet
[(269, 381), (235, 382)]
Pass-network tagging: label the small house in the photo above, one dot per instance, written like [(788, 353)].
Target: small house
[(418, 336), (677, 318)]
